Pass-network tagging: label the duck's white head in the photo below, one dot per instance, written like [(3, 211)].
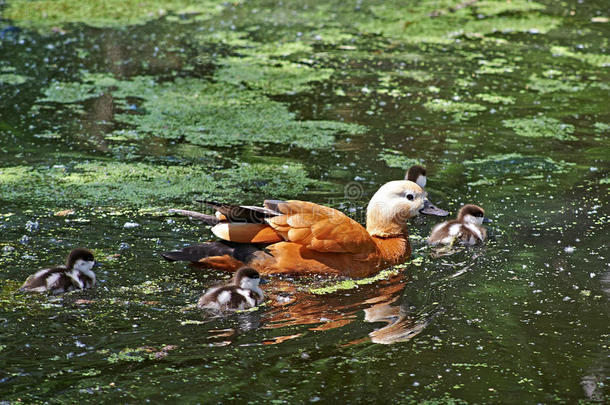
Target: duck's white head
[(391, 206), (472, 214), (247, 278), (81, 260)]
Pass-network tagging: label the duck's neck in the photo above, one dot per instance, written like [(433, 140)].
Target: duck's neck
[(393, 249)]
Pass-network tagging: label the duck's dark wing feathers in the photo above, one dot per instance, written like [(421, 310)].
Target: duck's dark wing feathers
[(239, 251), (243, 213)]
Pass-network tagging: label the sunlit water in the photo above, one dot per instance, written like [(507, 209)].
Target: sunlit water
[(523, 319)]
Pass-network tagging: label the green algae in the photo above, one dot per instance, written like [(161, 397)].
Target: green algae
[(110, 13), (396, 159), (601, 127), (443, 22), (550, 85), (12, 79), (501, 7), (598, 60), (137, 355), (541, 127), (69, 92), (136, 184), (495, 66), (202, 113), (277, 77), (350, 284), (460, 111), (496, 99)]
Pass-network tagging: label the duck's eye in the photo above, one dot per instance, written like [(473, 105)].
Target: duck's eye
[(410, 197)]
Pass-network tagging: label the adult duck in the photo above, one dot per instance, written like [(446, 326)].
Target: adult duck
[(298, 237)]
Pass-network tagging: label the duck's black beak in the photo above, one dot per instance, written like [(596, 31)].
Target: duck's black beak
[(487, 220), (262, 281), (431, 209), (97, 264)]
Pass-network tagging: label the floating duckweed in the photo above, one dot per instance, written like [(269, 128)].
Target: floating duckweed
[(354, 283), (541, 127), (137, 184), (202, 113), (459, 110), (137, 355), (351, 283), (272, 78), (496, 99), (495, 66), (547, 85), (109, 13), (502, 7), (12, 79), (396, 159), (598, 60), (431, 21), (601, 127)]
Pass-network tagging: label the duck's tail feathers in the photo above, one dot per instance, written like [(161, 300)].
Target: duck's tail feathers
[(205, 218)]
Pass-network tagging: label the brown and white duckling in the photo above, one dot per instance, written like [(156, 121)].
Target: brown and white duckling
[(467, 228), (75, 275), (243, 292), (417, 174)]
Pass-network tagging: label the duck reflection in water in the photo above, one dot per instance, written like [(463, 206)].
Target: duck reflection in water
[(380, 302)]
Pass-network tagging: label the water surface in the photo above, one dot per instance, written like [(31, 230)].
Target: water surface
[(112, 120)]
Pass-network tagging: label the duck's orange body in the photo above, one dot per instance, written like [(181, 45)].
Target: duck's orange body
[(297, 237)]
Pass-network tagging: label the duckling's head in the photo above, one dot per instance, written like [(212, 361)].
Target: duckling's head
[(417, 174), (472, 214), (80, 259), (391, 206), (247, 278)]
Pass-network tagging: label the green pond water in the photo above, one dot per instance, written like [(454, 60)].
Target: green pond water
[(113, 112)]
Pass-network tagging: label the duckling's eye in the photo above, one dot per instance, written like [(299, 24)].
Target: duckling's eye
[(410, 197)]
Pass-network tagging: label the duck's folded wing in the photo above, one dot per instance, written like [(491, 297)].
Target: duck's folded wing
[(320, 228), (241, 213)]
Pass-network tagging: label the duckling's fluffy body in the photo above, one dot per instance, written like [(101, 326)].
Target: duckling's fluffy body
[(75, 275), (467, 228), (242, 293)]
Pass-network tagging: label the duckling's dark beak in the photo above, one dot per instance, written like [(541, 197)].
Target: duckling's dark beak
[(97, 264), (487, 220), (431, 209), (262, 281)]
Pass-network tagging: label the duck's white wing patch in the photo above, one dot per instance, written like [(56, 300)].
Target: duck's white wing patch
[(475, 231), (74, 276), (52, 280), (40, 273), (455, 229), (246, 294), (224, 297)]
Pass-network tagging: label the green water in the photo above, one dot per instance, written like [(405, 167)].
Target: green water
[(148, 106)]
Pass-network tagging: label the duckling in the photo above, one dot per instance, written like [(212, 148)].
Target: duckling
[(417, 174), (75, 275), (467, 227), (242, 293)]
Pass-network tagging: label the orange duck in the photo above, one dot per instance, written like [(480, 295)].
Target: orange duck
[(298, 237)]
